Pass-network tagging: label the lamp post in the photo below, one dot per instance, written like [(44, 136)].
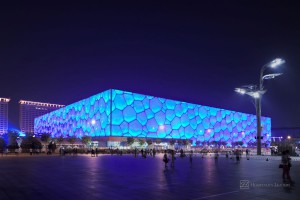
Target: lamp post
[(257, 92)]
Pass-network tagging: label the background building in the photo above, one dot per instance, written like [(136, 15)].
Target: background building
[(4, 115), (30, 110), (117, 113)]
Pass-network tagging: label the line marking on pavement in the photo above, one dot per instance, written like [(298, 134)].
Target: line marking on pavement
[(216, 195)]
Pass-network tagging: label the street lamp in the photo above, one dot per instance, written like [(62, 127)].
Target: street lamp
[(257, 92)]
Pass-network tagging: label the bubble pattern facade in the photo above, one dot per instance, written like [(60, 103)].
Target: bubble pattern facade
[(125, 114), (90, 116)]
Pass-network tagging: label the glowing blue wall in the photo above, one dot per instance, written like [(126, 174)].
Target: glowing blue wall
[(136, 115), (90, 116)]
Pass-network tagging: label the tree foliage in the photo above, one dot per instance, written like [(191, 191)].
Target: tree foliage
[(130, 141), (46, 137), (71, 139), (52, 146), (158, 141), (149, 142), (142, 142), (12, 137), (86, 139), (30, 142), (2, 143), (60, 139), (172, 142)]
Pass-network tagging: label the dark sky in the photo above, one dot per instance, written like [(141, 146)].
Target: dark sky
[(194, 51)]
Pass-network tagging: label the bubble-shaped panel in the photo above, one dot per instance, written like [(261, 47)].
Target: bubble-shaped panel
[(139, 115)]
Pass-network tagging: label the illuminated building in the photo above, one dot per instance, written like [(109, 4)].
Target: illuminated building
[(117, 113), (4, 115), (30, 110)]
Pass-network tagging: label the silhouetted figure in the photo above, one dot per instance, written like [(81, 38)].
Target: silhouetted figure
[(216, 155), (247, 154), (286, 162), (135, 152), (181, 153), (191, 157), (96, 152), (154, 152), (92, 153), (237, 155), (166, 159)]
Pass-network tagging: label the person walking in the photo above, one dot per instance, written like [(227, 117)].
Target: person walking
[(92, 153), (247, 154), (286, 163), (166, 159), (154, 152), (191, 157), (237, 155), (142, 152), (135, 152), (96, 152)]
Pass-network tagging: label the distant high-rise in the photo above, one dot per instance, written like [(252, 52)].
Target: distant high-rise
[(4, 115), (30, 110)]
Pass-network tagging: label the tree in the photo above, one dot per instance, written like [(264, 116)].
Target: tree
[(240, 143), (2, 143), (71, 140), (180, 142), (12, 137), (86, 139), (186, 142), (158, 141), (30, 142), (142, 142), (130, 141), (60, 140), (198, 143), (149, 141), (46, 137), (12, 140), (52, 146), (172, 142), (223, 143)]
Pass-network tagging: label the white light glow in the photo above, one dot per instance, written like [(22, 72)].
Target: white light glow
[(288, 137), (6, 100), (161, 127), (276, 62), (40, 104), (240, 90), (255, 95), (93, 122)]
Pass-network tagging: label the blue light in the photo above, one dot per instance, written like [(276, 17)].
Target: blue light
[(137, 115)]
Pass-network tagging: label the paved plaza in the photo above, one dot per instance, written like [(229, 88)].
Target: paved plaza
[(126, 177)]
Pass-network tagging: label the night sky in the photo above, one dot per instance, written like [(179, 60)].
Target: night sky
[(193, 51)]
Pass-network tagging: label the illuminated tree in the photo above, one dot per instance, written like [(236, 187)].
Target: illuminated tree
[(85, 140)]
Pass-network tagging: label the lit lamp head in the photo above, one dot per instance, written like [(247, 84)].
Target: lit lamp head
[(288, 137), (240, 90), (276, 62), (271, 76), (255, 95)]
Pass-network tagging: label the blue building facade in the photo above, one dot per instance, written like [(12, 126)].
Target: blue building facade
[(126, 114)]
